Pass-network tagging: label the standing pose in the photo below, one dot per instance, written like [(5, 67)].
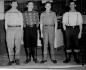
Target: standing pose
[(14, 29), (72, 24), (48, 24), (31, 22)]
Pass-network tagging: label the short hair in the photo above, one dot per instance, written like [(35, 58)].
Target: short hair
[(13, 1), (30, 2), (72, 2), (48, 3)]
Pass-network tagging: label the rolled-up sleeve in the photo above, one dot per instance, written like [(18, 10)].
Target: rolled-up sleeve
[(65, 19)]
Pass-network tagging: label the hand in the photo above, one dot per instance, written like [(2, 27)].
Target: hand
[(79, 35), (64, 28)]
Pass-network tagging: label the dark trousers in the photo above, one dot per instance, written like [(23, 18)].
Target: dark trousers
[(30, 41), (2, 38), (72, 38)]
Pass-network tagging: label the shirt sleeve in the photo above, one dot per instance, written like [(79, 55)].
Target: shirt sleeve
[(80, 19), (41, 19), (55, 18), (65, 19), (24, 18), (6, 19), (37, 18), (21, 19)]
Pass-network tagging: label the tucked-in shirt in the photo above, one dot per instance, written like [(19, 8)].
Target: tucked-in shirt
[(31, 18), (72, 18), (48, 19), (13, 18)]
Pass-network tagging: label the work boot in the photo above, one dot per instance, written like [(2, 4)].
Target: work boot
[(68, 56)]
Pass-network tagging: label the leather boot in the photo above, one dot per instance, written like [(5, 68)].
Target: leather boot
[(68, 56), (76, 57)]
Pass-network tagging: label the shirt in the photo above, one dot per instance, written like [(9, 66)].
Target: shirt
[(30, 18), (72, 18), (48, 19), (13, 18)]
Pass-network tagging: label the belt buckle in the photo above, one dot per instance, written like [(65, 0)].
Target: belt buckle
[(73, 26)]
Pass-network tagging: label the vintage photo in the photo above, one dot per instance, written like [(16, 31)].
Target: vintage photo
[(40, 34)]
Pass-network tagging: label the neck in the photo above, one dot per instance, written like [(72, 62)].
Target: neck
[(47, 11), (30, 10), (72, 10)]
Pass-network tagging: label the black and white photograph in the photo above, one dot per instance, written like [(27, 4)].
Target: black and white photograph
[(43, 34)]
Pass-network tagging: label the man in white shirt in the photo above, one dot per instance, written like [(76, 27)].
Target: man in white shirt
[(72, 24), (14, 30)]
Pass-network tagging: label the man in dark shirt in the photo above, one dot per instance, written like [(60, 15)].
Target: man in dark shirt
[(31, 22)]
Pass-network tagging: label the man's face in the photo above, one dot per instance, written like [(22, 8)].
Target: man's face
[(30, 5), (48, 6), (72, 5), (14, 4)]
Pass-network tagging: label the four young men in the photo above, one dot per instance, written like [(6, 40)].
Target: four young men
[(15, 21)]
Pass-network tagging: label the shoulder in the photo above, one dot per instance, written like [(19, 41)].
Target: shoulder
[(66, 13), (43, 13), (78, 13)]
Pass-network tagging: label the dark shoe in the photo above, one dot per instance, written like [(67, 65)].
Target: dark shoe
[(43, 61), (27, 61), (10, 63), (54, 61), (76, 57), (77, 61), (66, 61), (68, 58), (17, 62), (35, 60)]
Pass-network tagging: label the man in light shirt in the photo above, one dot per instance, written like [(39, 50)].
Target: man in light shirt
[(72, 24), (48, 24), (14, 30)]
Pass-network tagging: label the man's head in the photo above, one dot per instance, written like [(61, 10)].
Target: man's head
[(48, 6), (14, 4), (30, 5), (72, 5)]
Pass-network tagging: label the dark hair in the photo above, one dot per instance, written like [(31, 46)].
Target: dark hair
[(47, 3), (14, 1), (71, 2), (30, 2)]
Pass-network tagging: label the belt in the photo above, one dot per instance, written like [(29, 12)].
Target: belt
[(31, 25), (72, 26), (14, 26), (48, 25)]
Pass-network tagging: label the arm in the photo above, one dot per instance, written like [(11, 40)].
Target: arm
[(80, 20), (41, 25), (64, 21), (37, 20), (6, 20), (55, 20)]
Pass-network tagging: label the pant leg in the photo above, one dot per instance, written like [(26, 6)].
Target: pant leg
[(34, 42), (76, 40), (68, 33), (10, 43), (51, 41), (18, 38), (45, 40), (26, 43)]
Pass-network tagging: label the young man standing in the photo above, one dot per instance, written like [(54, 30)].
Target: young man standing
[(72, 24), (31, 23), (48, 24), (14, 29)]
